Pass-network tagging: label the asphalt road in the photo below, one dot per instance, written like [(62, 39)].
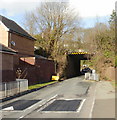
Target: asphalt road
[(72, 98)]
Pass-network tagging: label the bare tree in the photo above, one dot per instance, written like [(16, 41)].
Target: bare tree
[(53, 21), (29, 23)]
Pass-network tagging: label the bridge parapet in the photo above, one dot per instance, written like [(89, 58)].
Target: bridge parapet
[(76, 53)]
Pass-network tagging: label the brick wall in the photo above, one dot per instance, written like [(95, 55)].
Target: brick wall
[(6, 67), (8, 75), (22, 44), (7, 61), (41, 72)]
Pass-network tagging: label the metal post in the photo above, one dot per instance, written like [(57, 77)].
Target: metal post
[(19, 86), (5, 90)]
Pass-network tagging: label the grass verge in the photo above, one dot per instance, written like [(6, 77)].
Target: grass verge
[(40, 85)]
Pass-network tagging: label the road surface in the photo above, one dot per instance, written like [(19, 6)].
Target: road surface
[(72, 98)]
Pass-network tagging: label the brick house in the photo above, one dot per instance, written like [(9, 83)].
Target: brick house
[(15, 37), (34, 68)]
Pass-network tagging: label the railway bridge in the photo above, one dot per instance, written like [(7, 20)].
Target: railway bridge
[(74, 63)]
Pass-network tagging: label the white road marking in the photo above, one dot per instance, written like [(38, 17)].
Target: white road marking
[(21, 117), (81, 105), (53, 97), (8, 108), (47, 102), (33, 105), (90, 115)]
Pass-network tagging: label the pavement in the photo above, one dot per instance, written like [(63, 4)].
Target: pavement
[(104, 105)]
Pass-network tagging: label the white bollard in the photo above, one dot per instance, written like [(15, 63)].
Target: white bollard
[(94, 77), (93, 71), (87, 76)]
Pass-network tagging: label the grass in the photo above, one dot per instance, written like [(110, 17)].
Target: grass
[(40, 85)]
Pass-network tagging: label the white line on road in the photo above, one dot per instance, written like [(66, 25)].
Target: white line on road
[(34, 105), (81, 105), (90, 115), (19, 118), (29, 109), (8, 108), (52, 98)]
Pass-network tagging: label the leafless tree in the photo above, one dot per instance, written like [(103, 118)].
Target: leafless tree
[(52, 21)]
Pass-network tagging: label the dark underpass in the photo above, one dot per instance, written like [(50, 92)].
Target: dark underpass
[(73, 63)]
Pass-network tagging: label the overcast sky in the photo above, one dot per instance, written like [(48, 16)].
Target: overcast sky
[(89, 10)]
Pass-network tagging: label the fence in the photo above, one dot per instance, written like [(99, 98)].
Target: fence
[(11, 88)]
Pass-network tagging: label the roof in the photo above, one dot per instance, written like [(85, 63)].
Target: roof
[(6, 49), (29, 60), (14, 27)]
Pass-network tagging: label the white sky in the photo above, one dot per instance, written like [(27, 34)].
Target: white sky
[(92, 8), (86, 8), (89, 10)]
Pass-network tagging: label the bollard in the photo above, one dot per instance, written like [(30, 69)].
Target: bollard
[(93, 71), (87, 76), (94, 76)]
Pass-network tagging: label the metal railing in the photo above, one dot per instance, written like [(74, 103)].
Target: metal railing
[(14, 87)]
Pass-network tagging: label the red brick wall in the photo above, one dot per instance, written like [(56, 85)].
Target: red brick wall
[(22, 44), (7, 67), (8, 75), (41, 72)]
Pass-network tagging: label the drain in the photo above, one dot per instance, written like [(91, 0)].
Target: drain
[(64, 105)]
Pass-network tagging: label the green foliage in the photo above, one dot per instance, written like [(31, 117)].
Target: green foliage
[(40, 85), (105, 41), (112, 17), (103, 37), (107, 54)]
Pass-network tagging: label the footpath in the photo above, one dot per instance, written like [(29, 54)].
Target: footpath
[(104, 106)]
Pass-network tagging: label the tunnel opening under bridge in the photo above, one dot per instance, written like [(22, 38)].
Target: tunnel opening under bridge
[(73, 66)]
